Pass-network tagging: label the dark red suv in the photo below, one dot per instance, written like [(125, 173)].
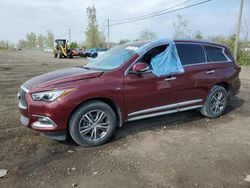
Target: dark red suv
[(90, 102)]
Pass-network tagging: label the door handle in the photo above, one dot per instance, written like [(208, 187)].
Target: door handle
[(170, 78), (210, 71)]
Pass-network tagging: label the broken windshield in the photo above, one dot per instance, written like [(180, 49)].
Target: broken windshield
[(112, 58)]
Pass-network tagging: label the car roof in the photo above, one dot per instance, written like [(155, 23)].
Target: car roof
[(166, 41), (199, 42), (143, 46)]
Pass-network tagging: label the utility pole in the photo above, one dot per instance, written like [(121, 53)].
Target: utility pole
[(238, 31), (108, 33), (69, 36)]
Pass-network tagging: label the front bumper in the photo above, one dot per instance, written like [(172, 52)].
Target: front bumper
[(47, 124), (51, 119)]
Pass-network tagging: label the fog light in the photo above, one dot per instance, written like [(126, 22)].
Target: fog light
[(43, 122)]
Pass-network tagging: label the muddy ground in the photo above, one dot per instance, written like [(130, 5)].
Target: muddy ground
[(178, 150)]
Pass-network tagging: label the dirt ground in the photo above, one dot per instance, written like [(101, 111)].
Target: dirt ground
[(178, 150)]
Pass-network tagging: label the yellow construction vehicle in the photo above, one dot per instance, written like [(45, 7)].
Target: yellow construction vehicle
[(61, 49)]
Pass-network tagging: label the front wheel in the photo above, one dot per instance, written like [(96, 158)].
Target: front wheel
[(215, 103), (92, 124)]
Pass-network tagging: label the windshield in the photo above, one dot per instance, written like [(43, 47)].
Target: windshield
[(112, 58)]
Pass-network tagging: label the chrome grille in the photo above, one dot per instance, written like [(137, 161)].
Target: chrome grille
[(22, 100)]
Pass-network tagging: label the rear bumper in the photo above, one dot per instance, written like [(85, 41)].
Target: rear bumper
[(235, 89)]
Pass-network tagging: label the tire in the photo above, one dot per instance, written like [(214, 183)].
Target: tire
[(59, 55), (86, 130), (216, 102), (94, 55)]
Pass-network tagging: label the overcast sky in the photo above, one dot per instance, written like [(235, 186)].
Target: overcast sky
[(18, 17)]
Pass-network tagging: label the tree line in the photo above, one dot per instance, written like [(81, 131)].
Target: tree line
[(6, 45), (96, 37), (33, 41)]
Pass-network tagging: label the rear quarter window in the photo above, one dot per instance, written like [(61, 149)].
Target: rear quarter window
[(215, 54), (191, 54), (229, 54)]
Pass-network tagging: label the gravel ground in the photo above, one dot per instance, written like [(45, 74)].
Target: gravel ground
[(178, 150)]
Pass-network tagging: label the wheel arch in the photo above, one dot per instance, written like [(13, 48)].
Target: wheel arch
[(226, 85), (107, 101)]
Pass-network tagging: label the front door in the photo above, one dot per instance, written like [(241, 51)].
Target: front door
[(146, 95)]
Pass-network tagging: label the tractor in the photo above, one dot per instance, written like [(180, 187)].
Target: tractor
[(61, 49)]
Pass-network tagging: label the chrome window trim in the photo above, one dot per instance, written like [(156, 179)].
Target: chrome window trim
[(204, 53), (164, 113), (165, 107), (206, 63), (198, 43)]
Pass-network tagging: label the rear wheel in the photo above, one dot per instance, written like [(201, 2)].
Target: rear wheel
[(215, 103), (92, 124)]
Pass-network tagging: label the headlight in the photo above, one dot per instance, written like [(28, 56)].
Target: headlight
[(50, 96)]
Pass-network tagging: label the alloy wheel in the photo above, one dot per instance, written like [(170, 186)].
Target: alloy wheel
[(94, 125), (217, 102)]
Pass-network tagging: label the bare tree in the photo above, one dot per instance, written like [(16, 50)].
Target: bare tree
[(146, 34), (181, 28)]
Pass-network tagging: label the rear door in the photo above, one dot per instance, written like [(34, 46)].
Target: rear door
[(187, 92)]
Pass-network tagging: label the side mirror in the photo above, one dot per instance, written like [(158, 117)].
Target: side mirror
[(139, 68)]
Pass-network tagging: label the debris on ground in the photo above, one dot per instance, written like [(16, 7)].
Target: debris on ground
[(74, 184), (247, 178), (3, 173)]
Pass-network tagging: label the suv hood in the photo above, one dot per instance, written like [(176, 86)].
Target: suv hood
[(61, 76)]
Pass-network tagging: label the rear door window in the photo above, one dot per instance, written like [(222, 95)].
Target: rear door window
[(214, 54), (191, 54)]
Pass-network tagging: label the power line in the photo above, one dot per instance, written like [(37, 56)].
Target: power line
[(153, 13), (159, 14)]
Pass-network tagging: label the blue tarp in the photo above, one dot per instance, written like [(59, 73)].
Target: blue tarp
[(167, 63)]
